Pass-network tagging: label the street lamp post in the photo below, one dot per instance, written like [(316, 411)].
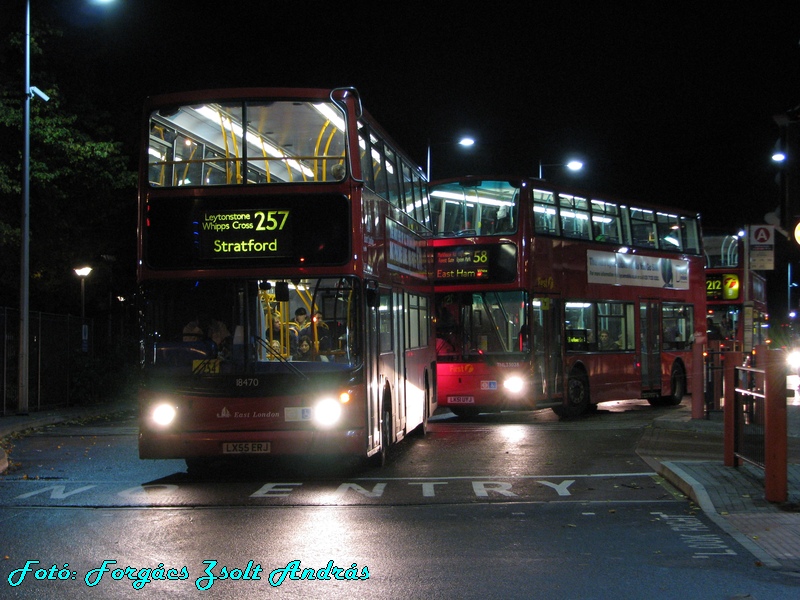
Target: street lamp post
[(573, 165), (24, 283), (22, 399), (83, 273), (465, 142)]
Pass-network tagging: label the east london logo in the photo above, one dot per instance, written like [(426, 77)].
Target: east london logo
[(226, 414)]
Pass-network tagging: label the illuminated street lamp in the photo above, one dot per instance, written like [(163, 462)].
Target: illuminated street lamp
[(83, 273), (573, 165), (466, 142), (24, 284)]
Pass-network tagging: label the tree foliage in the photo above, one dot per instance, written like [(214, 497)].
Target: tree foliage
[(82, 185)]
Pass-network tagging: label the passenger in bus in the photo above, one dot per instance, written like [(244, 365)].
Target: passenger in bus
[(672, 337), (278, 336), (275, 352), (712, 330), (726, 327), (503, 224), (304, 349), (205, 328), (323, 332), (604, 341), (338, 171), (301, 323)]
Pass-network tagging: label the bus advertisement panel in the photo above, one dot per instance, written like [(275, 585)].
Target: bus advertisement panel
[(284, 278), (554, 297)]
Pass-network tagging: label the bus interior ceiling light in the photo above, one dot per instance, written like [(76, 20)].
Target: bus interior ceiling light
[(253, 138)]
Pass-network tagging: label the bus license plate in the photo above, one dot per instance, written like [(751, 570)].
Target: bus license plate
[(245, 448), (461, 399)]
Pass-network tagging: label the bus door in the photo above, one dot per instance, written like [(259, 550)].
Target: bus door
[(371, 365), (388, 361), (546, 325), (399, 349), (650, 346)]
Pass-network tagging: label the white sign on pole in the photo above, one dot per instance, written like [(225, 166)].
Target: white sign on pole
[(762, 247)]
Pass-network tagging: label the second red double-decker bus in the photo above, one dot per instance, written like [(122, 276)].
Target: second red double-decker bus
[(285, 292), (559, 298)]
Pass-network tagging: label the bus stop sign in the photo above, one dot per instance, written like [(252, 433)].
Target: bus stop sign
[(762, 247)]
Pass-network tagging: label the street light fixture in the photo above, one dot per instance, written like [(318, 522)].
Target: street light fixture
[(573, 165), (466, 142), (83, 273)]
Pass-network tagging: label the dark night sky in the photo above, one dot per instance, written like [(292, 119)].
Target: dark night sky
[(666, 102)]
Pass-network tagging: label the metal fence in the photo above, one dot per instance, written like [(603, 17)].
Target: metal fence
[(755, 417), (749, 399), (54, 342)]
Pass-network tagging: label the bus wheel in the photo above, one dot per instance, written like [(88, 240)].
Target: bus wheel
[(379, 459), (677, 379), (421, 430), (577, 396)]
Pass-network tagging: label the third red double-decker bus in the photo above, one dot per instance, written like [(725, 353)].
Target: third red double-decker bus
[(555, 297), (736, 315)]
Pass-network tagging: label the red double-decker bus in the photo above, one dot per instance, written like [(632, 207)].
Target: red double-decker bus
[(555, 297), (736, 316), (285, 289)]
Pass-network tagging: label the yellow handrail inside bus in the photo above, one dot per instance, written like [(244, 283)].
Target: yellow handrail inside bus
[(163, 175), (189, 162), (225, 148), (325, 154), (238, 163), (267, 171), (316, 149)]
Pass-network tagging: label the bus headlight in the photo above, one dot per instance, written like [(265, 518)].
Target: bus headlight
[(327, 412), (793, 360), (514, 384), (163, 414)]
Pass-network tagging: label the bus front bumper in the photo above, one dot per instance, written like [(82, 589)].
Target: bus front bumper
[(167, 445)]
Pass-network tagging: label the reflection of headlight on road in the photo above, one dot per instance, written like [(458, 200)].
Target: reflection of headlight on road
[(514, 384), (163, 414), (327, 412), (793, 360)]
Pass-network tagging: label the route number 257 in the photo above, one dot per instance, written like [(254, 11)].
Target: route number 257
[(271, 220)]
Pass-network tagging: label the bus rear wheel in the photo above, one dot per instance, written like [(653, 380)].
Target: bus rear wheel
[(577, 396), (379, 458), (677, 379)]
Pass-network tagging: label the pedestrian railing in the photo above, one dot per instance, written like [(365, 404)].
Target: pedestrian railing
[(755, 416)]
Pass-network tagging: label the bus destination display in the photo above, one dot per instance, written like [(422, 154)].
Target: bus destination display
[(481, 263), (722, 287), (244, 233)]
